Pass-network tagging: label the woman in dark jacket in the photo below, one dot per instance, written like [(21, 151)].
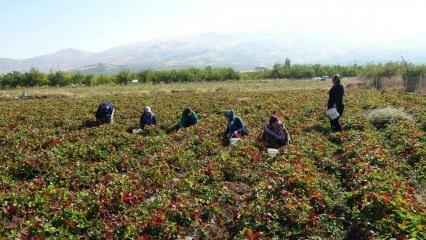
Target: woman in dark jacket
[(235, 128), (105, 113), (335, 100)]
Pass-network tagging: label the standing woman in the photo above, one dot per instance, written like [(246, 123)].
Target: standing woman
[(335, 100)]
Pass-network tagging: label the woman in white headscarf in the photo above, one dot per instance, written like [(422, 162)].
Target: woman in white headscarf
[(147, 118)]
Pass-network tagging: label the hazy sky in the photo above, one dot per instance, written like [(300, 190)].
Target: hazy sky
[(34, 27)]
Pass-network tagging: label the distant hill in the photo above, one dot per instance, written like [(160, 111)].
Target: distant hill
[(241, 51), (64, 60), (97, 68)]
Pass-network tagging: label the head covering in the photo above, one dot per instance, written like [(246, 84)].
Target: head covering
[(147, 109), (106, 106), (273, 119), (336, 78), (187, 111), (229, 114)]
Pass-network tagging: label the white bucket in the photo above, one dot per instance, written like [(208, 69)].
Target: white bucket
[(234, 140), (272, 152), (332, 113), (136, 131)]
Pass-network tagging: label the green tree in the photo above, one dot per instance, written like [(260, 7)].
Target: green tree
[(287, 63), (88, 80), (124, 77), (152, 77), (77, 78), (34, 78), (6, 80), (141, 76), (11, 80), (276, 71), (102, 80), (57, 78)]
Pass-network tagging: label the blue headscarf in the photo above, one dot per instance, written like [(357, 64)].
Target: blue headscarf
[(229, 114)]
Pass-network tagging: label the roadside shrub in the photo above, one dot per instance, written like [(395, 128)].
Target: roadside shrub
[(381, 117)]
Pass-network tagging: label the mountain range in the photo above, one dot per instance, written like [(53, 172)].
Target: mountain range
[(242, 51)]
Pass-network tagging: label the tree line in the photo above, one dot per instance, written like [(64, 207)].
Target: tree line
[(304, 71), (287, 70), (35, 77)]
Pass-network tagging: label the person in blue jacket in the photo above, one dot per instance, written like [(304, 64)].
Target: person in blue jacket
[(147, 118), (235, 128), (105, 113)]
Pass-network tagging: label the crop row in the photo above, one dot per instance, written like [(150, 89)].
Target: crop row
[(60, 179)]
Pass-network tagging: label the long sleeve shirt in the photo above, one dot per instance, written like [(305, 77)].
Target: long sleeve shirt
[(147, 119), (186, 121), (234, 125), (335, 97), (104, 112), (280, 134)]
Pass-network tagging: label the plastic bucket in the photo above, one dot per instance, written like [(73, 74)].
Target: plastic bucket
[(332, 113), (272, 152), (136, 131)]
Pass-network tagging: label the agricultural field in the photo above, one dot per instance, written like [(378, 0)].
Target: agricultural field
[(62, 179)]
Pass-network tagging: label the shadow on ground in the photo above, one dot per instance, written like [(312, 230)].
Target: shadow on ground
[(317, 128), (89, 124)]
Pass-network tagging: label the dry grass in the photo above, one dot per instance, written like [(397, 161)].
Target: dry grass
[(222, 89), (381, 117)]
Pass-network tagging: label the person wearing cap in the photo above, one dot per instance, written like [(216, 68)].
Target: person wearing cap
[(105, 113), (335, 100), (235, 128), (187, 119), (147, 118), (275, 134)]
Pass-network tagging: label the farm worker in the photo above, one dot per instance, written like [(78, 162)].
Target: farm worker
[(275, 133), (187, 119), (147, 118), (235, 127), (105, 113), (335, 100)]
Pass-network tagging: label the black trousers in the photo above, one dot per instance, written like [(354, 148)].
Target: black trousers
[(335, 125)]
